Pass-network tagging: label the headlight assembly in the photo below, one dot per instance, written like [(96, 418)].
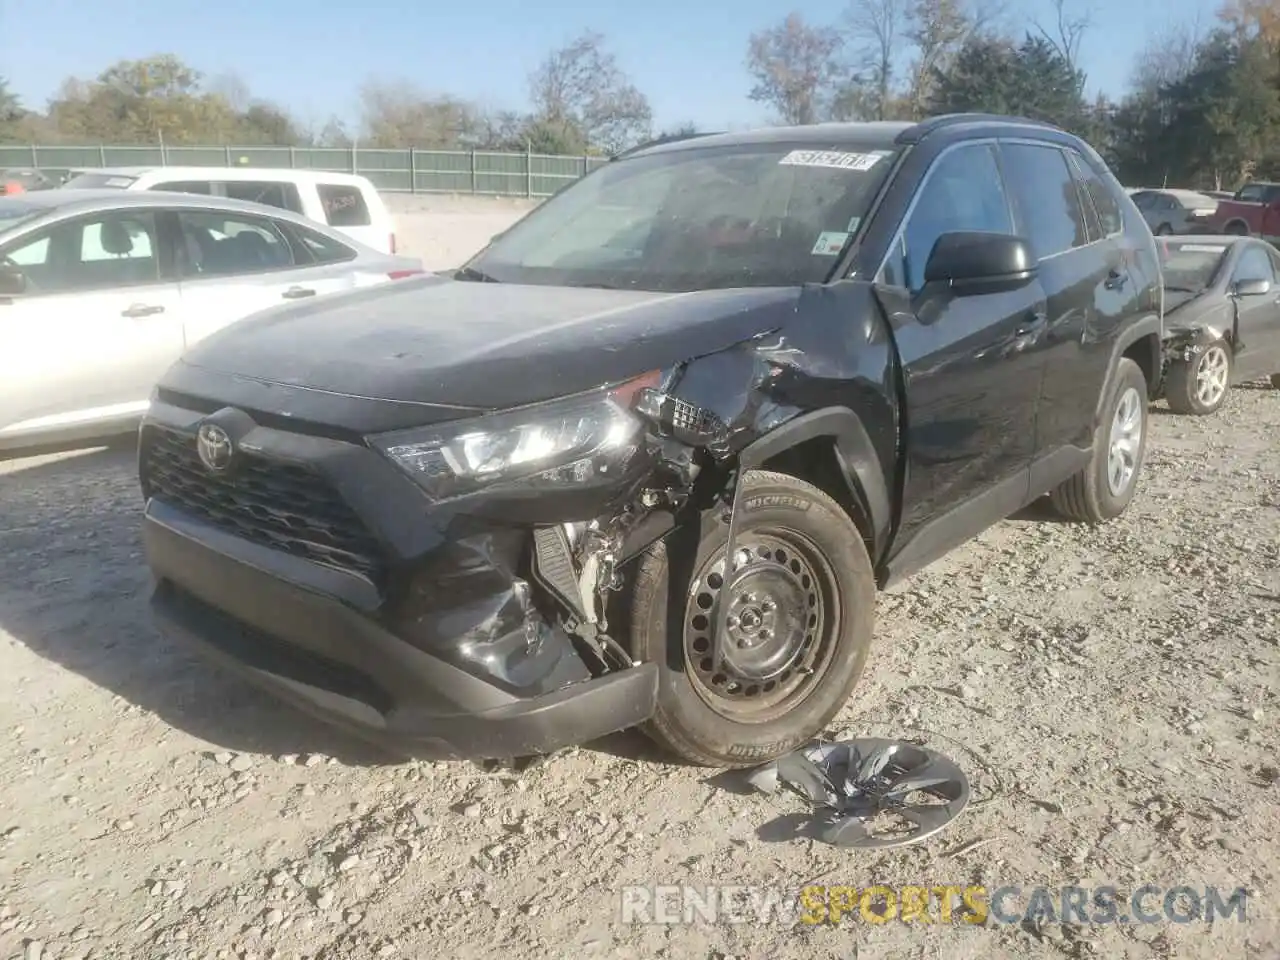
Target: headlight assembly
[(559, 443)]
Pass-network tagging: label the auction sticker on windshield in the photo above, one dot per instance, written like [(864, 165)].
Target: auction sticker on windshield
[(833, 159), (830, 243)]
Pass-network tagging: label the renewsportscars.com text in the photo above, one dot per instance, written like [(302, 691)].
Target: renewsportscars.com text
[(933, 904)]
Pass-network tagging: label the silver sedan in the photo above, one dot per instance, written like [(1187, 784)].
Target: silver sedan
[(101, 291)]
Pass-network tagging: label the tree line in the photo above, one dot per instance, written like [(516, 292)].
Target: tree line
[(582, 102), (1203, 108)]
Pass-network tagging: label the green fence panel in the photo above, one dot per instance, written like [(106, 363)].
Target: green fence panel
[(417, 171)]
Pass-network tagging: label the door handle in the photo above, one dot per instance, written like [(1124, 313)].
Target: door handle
[(1117, 278), (141, 310), (297, 293)]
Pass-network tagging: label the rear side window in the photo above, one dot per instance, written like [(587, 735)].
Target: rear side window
[(344, 205), (283, 196), (218, 244), (1102, 197), (319, 248), (201, 187), (1045, 192)]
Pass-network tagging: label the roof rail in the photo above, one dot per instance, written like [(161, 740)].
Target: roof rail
[(927, 126), (659, 141)]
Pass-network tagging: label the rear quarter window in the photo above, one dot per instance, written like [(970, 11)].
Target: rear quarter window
[(344, 205), (316, 247), (1104, 201)]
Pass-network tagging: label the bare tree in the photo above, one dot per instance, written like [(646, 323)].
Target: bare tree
[(232, 88), (1259, 18), (1067, 30), (398, 114), (794, 68), (938, 29), (876, 30), (581, 88)]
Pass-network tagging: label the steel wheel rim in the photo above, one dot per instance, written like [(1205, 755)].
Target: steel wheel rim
[(1211, 376), (761, 681), (1125, 441)]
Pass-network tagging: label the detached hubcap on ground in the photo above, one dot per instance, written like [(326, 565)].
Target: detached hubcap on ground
[(781, 617), (1211, 376), (1126, 439)]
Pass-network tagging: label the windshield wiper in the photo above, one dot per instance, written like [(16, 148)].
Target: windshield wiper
[(471, 273)]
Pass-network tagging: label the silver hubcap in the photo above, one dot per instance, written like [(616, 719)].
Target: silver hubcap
[(1211, 376), (1126, 439)]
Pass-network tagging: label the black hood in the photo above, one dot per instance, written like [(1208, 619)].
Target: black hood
[(483, 346), (1209, 309)]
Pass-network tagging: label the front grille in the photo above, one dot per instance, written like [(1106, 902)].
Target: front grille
[(286, 506)]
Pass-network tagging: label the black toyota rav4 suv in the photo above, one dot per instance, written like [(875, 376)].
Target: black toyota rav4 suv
[(646, 459)]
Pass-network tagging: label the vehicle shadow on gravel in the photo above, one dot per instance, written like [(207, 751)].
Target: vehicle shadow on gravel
[(74, 589)]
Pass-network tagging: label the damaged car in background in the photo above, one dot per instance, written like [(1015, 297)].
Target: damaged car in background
[(646, 459), (1222, 318)]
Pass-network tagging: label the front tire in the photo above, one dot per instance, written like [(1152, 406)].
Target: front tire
[(1164, 230), (801, 613), (1103, 489), (1199, 386)]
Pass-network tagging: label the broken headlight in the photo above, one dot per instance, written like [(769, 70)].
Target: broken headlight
[(559, 443)]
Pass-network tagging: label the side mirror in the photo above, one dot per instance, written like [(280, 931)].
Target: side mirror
[(1252, 288), (12, 282), (971, 262)]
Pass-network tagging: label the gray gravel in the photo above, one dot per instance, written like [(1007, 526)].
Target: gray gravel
[(1111, 692)]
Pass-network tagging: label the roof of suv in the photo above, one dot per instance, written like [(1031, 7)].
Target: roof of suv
[(868, 133), (290, 174)]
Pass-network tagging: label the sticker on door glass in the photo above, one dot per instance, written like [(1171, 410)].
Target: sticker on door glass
[(853, 224), (833, 159), (830, 243)]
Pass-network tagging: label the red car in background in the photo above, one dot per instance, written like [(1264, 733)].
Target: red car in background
[(1254, 211)]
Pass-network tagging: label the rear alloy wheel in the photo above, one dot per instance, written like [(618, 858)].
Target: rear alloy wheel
[(1103, 489), (799, 607), (1199, 386)]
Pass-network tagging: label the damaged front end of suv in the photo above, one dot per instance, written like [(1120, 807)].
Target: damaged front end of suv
[(468, 613), (495, 512)]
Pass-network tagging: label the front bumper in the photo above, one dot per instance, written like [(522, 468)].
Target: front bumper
[(440, 655)]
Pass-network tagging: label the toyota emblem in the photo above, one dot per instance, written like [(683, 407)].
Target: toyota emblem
[(214, 446)]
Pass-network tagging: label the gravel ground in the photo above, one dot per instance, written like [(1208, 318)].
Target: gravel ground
[(1111, 692)]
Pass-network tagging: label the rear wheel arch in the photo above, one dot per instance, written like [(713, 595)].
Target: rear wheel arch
[(1143, 343)]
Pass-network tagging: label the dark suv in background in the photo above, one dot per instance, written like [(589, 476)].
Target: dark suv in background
[(646, 459)]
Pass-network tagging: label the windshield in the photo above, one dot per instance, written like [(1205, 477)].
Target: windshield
[(754, 216), (99, 181), (1190, 266)]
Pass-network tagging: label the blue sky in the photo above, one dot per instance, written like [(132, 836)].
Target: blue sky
[(312, 56)]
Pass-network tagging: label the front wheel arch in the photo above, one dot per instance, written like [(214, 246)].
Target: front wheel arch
[(831, 449)]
